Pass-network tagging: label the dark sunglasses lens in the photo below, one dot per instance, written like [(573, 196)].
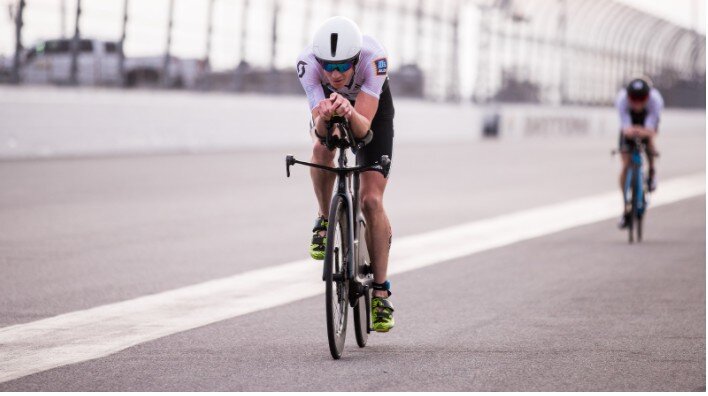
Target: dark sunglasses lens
[(342, 67)]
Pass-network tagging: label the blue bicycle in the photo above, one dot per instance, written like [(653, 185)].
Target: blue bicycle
[(636, 191)]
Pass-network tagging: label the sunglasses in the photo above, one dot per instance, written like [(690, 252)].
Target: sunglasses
[(637, 99), (341, 67)]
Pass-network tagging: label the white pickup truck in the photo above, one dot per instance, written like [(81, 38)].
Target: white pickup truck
[(49, 62)]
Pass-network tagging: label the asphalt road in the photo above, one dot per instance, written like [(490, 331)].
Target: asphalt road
[(576, 310)]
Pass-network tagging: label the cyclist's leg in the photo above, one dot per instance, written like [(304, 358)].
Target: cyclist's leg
[(323, 184), (651, 150), (378, 241), (378, 227), (649, 142), (373, 185), (626, 159), (625, 146), (322, 181)]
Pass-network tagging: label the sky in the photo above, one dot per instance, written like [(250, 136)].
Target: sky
[(147, 29)]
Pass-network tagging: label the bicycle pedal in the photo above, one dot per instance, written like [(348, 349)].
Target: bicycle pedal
[(337, 277)]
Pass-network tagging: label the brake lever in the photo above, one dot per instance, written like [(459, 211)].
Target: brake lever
[(289, 160)]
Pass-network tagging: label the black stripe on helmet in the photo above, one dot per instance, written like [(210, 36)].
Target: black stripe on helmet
[(333, 43)]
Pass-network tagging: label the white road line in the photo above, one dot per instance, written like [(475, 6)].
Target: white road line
[(97, 332)]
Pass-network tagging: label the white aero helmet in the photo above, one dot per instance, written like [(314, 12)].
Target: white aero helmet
[(338, 39)]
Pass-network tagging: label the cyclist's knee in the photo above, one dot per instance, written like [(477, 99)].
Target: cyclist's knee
[(371, 203), (320, 154)]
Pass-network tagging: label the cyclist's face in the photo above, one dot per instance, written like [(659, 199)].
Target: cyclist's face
[(638, 105), (338, 79)]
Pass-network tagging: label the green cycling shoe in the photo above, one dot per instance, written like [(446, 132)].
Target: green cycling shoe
[(382, 310), (319, 242)]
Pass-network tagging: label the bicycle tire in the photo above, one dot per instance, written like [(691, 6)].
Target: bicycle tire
[(362, 309), (636, 209), (632, 204), (645, 205), (336, 290)]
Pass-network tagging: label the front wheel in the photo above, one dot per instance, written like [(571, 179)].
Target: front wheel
[(630, 192), (336, 289), (638, 203)]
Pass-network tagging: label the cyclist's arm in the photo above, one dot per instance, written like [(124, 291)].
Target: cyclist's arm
[(639, 131), (320, 122), (654, 108), (644, 132), (367, 100), (307, 72), (359, 120), (622, 107), (633, 131), (364, 111)]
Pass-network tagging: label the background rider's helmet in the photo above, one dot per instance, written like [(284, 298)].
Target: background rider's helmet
[(338, 39), (638, 89)]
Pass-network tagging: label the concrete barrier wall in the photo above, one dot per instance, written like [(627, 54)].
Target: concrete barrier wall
[(52, 122), (523, 121)]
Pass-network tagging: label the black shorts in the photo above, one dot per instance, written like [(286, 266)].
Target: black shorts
[(382, 128)]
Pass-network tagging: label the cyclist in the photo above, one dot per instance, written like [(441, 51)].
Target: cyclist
[(345, 73), (639, 106)]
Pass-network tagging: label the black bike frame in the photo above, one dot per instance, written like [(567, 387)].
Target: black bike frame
[(351, 202), (343, 176)]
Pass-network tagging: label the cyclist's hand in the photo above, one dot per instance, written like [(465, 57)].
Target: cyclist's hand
[(645, 133), (324, 109), (630, 132), (341, 105)]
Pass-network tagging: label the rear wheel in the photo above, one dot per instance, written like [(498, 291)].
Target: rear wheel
[(362, 307), (336, 290)]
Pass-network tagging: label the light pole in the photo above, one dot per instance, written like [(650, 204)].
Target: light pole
[(121, 49), (18, 42), (73, 79), (210, 28), (166, 63)]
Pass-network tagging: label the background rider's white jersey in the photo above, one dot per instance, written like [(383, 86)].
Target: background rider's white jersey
[(370, 73), (655, 105)]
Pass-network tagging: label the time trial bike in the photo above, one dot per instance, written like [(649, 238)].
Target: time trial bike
[(347, 268)]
